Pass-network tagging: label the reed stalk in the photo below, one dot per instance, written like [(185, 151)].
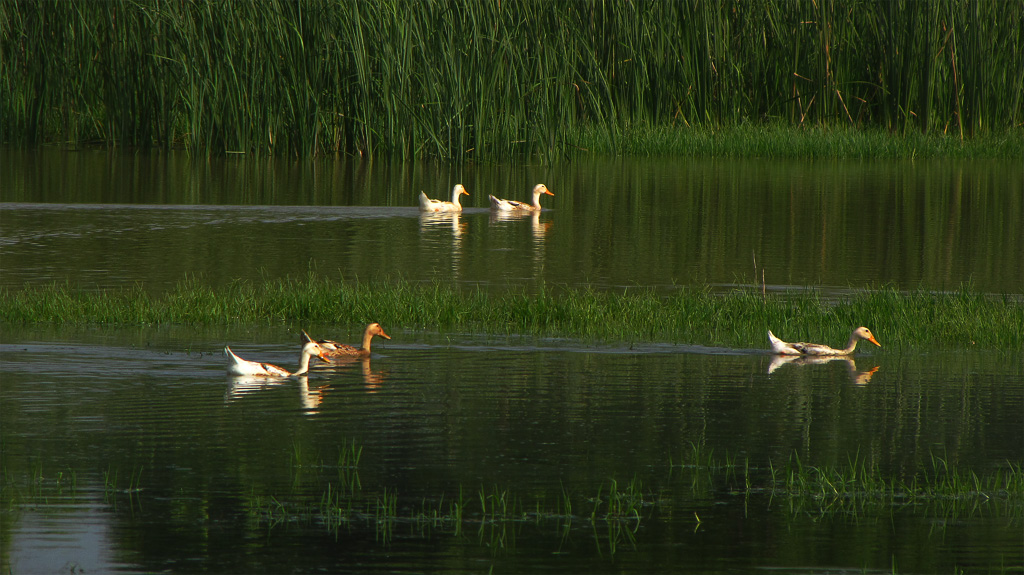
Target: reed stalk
[(492, 79)]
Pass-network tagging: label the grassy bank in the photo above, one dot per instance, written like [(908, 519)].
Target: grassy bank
[(470, 79), (778, 140), (901, 320)]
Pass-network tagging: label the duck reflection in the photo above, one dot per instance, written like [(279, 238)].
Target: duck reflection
[(241, 385), (372, 380), (430, 221), (857, 377), (539, 228), (310, 398), (440, 220)]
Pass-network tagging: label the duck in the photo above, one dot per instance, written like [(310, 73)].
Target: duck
[(429, 205), (514, 206), (334, 349), (239, 366), (784, 348)]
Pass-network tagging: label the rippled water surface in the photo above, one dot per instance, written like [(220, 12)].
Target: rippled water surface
[(129, 449), (145, 456)]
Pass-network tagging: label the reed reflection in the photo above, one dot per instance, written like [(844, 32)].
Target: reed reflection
[(857, 377)]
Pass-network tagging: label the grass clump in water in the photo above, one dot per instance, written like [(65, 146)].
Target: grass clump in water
[(902, 320)]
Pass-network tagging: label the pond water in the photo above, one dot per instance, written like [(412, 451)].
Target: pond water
[(128, 449), (102, 221)]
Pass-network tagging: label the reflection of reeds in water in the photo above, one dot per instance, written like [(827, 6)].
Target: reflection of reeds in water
[(859, 377)]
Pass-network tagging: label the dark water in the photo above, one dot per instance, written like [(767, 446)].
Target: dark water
[(129, 449), (152, 220), (431, 416)]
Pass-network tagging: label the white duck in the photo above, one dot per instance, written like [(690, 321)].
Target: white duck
[(800, 348), (334, 349), (429, 205), (513, 205), (239, 366)]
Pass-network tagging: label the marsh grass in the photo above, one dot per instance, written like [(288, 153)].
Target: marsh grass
[(40, 487), (903, 320), (615, 514), (777, 140), (854, 488), (464, 79), (857, 487), (349, 455)]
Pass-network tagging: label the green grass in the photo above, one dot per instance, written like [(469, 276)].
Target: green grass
[(493, 79), (857, 486), (777, 140), (901, 320)]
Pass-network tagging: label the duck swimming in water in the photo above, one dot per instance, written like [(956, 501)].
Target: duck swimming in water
[(429, 205), (514, 206), (239, 366), (785, 348), (334, 349)]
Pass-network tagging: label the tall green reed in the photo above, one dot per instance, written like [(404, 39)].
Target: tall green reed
[(463, 79)]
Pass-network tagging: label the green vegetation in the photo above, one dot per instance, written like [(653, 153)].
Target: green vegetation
[(852, 487), (470, 79), (902, 320), (859, 483), (808, 142), (613, 515)]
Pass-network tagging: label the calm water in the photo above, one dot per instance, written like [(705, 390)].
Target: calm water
[(129, 449), (103, 222)]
